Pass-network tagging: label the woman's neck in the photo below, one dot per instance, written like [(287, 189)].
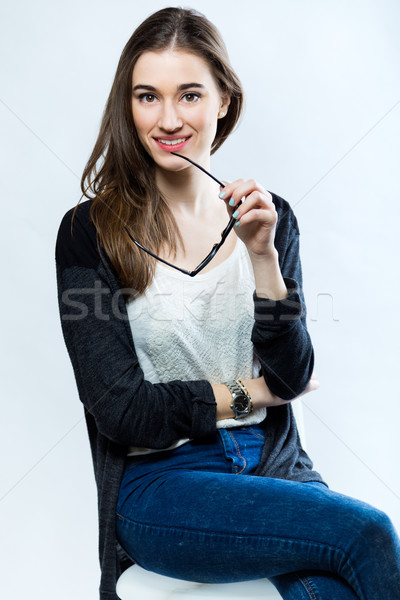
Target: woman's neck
[(188, 192)]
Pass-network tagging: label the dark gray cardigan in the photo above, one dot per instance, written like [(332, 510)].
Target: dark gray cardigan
[(123, 409)]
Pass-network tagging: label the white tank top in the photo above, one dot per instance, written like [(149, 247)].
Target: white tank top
[(198, 327)]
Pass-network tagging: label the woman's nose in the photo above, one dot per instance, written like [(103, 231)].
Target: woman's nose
[(170, 119)]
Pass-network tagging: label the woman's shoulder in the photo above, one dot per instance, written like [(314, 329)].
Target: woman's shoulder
[(76, 243)]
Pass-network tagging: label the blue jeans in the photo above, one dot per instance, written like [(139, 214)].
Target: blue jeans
[(198, 513)]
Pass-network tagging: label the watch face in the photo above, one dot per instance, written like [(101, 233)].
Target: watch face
[(241, 403)]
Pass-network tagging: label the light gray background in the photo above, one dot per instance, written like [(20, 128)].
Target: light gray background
[(321, 129)]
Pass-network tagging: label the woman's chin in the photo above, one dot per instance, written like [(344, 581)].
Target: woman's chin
[(169, 162)]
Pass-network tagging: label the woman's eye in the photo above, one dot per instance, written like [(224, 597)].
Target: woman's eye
[(190, 98), (147, 98)]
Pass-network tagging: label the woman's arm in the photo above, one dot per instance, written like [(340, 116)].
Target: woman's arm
[(260, 394), (280, 337), (269, 229), (127, 409)]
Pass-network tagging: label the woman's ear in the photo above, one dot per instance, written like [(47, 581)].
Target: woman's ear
[(223, 109)]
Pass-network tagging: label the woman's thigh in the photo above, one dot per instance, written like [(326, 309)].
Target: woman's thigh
[(219, 527)]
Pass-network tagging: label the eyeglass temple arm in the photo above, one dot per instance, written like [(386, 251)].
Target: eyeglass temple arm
[(199, 167), (232, 221), (157, 257)]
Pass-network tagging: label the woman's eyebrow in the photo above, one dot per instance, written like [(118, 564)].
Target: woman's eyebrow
[(186, 86), (181, 88)]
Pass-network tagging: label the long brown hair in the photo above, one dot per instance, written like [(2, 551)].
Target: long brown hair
[(120, 176)]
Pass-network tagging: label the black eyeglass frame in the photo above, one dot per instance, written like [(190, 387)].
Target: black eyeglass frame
[(216, 246)]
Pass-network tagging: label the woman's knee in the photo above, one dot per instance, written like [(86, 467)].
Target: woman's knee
[(376, 529)]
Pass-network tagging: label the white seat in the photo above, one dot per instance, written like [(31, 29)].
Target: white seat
[(297, 407), (138, 584)]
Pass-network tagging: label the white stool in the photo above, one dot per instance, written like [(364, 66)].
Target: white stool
[(138, 584)]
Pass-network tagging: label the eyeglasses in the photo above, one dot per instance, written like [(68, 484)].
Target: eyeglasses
[(214, 249)]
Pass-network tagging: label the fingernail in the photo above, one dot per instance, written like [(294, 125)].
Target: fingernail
[(231, 202), (237, 223), (222, 194), (235, 214)]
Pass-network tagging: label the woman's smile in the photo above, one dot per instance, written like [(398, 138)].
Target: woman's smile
[(169, 143)]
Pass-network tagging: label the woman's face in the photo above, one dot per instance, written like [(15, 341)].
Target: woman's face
[(175, 106)]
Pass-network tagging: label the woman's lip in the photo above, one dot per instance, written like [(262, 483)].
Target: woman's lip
[(169, 147)]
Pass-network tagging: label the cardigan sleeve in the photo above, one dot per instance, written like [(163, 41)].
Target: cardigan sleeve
[(127, 409), (280, 337)]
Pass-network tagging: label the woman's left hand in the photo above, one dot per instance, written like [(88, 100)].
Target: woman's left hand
[(256, 216)]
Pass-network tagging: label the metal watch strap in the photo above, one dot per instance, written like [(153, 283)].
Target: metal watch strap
[(237, 388), (244, 388), (234, 387)]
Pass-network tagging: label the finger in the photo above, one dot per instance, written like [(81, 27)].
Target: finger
[(235, 191), (314, 379), (315, 384), (312, 386), (259, 207), (226, 192), (256, 218), (246, 189)]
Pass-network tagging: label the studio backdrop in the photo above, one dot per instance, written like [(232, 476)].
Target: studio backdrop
[(321, 129)]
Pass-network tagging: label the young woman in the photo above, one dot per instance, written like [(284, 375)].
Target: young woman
[(187, 379)]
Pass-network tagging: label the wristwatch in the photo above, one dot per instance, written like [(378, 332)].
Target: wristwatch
[(241, 399)]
